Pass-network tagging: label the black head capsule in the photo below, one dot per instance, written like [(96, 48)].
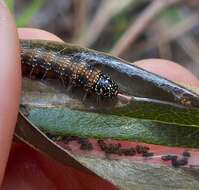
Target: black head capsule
[(106, 87)]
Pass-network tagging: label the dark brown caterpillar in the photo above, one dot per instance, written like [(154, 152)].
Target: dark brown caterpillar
[(38, 61)]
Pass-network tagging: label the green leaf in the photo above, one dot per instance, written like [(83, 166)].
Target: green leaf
[(133, 175), (10, 4), (65, 122), (170, 16), (125, 173), (155, 111), (29, 12)]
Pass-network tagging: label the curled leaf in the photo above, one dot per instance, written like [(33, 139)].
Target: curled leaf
[(147, 108)]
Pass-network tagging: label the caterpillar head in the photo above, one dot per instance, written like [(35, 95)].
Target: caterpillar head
[(106, 87)]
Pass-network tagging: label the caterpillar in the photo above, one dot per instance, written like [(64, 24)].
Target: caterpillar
[(54, 64)]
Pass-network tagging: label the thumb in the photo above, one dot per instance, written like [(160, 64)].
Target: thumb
[(10, 83)]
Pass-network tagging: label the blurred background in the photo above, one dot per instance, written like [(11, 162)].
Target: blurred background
[(130, 29)]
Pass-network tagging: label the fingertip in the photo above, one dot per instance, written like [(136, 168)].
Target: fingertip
[(34, 33), (170, 70), (10, 83)]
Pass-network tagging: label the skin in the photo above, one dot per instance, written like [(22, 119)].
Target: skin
[(10, 83), (26, 168)]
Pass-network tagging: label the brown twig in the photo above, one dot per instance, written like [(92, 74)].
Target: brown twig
[(176, 31), (165, 51), (140, 24), (80, 9), (105, 12), (190, 47)]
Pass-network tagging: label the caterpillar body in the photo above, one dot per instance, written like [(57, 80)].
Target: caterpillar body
[(39, 61)]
